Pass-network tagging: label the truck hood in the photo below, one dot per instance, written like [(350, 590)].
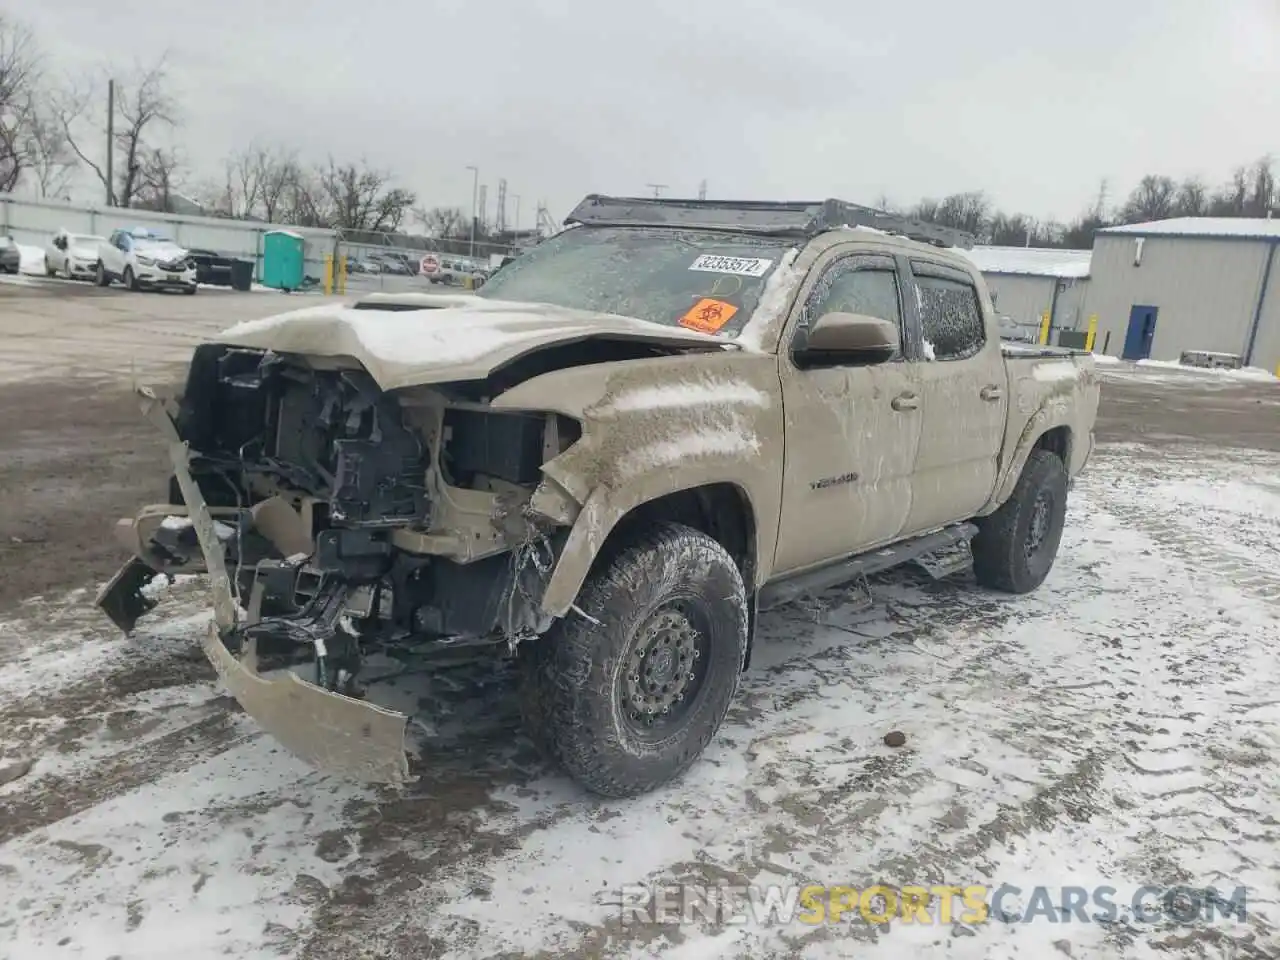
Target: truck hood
[(406, 340)]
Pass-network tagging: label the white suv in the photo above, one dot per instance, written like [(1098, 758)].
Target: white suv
[(141, 258), (74, 255)]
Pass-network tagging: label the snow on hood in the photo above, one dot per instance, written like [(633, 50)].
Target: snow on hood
[(445, 338), (161, 251)]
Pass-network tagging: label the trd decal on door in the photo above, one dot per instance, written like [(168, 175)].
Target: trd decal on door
[(833, 481)]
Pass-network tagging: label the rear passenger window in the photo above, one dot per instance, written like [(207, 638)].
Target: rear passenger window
[(950, 317)]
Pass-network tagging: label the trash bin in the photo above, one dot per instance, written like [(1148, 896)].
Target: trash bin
[(241, 274), (283, 260)]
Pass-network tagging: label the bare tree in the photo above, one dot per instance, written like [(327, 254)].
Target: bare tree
[(1152, 199), (158, 171), (1192, 199), (19, 73), (1232, 199), (1263, 195), (50, 159), (441, 222), (359, 197), (965, 211), (143, 107)]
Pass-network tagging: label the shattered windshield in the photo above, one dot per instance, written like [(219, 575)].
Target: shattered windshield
[(703, 281)]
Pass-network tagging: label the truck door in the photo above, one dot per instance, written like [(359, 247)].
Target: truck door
[(850, 431), (964, 389)]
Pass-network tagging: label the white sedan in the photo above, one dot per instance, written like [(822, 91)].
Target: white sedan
[(73, 255)]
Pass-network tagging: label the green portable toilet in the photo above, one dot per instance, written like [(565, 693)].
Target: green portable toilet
[(283, 260)]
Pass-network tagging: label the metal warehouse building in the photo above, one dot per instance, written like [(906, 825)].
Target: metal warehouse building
[(1028, 282), (1189, 284)]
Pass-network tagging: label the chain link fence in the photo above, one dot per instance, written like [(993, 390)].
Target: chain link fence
[(393, 262)]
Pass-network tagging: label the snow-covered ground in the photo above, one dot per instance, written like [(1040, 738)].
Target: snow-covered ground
[(1119, 727)]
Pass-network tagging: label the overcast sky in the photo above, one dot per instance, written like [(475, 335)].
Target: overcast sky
[(1033, 102)]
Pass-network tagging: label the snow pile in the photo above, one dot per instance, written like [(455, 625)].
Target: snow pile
[(1105, 358), (1244, 373)]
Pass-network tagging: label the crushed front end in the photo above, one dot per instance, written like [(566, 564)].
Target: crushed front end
[(336, 521)]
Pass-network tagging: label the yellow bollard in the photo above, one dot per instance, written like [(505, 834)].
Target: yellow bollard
[(1044, 328), (1093, 332), (328, 273), (342, 275)]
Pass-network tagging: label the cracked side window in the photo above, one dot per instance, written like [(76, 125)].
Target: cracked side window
[(951, 318)]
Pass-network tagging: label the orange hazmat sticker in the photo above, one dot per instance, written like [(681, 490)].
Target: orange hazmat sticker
[(708, 316)]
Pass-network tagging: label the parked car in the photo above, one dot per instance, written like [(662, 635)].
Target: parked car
[(390, 264), (141, 258), (74, 255), (10, 255), (211, 267), (662, 422)]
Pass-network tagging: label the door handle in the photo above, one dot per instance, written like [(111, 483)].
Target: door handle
[(991, 393), (905, 401)]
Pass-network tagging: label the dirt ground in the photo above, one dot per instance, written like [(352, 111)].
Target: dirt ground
[(153, 793)]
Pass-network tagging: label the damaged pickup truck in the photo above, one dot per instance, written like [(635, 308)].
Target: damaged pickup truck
[(652, 426)]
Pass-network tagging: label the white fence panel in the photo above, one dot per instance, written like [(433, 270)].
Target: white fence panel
[(33, 222)]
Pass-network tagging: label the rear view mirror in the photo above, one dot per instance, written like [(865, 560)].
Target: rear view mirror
[(848, 338)]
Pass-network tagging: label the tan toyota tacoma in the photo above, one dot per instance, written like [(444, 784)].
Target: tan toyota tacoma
[(650, 427)]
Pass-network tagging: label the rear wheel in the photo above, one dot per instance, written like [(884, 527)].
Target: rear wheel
[(1016, 546), (628, 702)]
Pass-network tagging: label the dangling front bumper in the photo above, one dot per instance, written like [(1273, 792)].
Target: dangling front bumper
[(331, 732)]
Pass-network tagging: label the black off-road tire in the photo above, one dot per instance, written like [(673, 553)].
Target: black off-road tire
[(574, 676), (1007, 553)]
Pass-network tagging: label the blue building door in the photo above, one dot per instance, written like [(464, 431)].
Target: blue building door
[(1142, 330)]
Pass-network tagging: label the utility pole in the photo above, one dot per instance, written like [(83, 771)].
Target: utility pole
[(475, 195), (500, 220), (657, 189), (111, 132), (516, 228), (702, 190)]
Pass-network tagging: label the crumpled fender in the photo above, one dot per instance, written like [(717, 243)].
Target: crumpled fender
[(652, 428)]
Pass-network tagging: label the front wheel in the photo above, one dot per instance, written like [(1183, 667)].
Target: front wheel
[(130, 280), (190, 291), (1016, 546), (100, 276), (49, 270), (627, 697)]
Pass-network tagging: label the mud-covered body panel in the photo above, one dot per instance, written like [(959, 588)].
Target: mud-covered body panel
[(655, 427)]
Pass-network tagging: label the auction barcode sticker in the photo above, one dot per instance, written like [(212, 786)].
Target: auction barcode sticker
[(742, 266)]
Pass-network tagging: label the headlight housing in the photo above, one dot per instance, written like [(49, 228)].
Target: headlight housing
[(146, 261)]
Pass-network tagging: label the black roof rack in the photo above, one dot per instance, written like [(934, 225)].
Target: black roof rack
[(759, 217)]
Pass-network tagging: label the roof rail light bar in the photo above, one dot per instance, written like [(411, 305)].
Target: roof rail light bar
[(758, 217)]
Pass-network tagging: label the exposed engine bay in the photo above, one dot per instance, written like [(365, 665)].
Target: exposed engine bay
[(355, 520)]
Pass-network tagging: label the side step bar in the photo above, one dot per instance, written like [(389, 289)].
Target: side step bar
[(792, 588)]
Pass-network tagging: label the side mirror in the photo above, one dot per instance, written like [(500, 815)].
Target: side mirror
[(847, 338)]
